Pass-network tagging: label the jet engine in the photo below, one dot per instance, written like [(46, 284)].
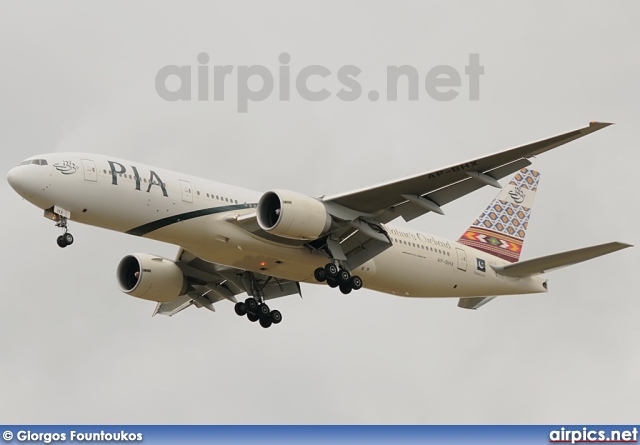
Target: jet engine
[(292, 215), (151, 277)]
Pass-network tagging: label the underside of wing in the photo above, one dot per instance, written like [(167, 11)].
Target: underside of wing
[(209, 283), (429, 191)]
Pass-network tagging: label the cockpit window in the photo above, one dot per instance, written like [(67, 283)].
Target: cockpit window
[(34, 161)]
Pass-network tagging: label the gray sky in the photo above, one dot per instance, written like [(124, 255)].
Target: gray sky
[(79, 76)]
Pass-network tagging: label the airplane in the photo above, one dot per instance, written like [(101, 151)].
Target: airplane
[(233, 240)]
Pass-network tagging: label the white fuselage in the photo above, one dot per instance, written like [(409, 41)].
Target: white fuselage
[(193, 213)]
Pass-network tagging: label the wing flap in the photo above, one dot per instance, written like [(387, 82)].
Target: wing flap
[(551, 262), (173, 307)]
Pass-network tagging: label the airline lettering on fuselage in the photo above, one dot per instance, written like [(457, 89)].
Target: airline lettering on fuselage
[(154, 179), (417, 237)]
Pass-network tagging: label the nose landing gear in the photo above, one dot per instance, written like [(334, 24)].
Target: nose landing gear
[(66, 239), (61, 217)]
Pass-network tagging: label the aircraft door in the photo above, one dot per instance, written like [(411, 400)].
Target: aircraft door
[(187, 194), (90, 172), (462, 259)]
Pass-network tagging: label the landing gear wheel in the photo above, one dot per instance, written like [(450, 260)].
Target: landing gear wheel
[(356, 282), (331, 270), (250, 304), (344, 276), (254, 306), (60, 241), (68, 239), (320, 274), (240, 309), (345, 288), (263, 311), (275, 316), (332, 283)]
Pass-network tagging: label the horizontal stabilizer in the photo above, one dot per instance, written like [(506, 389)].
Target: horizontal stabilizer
[(473, 303), (551, 262)]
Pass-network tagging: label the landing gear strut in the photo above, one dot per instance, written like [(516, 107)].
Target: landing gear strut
[(66, 239), (254, 307)]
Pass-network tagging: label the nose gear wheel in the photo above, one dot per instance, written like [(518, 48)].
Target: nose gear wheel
[(66, 239)]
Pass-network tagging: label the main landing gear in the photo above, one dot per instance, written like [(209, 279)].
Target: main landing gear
[(66, 239), (254, 307), (258, 311), (338, 277)]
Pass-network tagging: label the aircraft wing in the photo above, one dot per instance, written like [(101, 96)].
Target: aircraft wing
[(419, 194), (209, 283), (357, 234)]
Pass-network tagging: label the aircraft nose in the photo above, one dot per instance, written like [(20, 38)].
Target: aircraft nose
[(14, 178)]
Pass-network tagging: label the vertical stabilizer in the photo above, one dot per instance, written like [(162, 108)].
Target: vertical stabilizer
[(501, 228)]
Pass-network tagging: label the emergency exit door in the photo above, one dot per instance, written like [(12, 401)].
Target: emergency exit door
[(187, 194), (462, 259), (90, 173)]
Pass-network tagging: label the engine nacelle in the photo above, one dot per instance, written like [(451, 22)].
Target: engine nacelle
[(150, 277), (292, 215)]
